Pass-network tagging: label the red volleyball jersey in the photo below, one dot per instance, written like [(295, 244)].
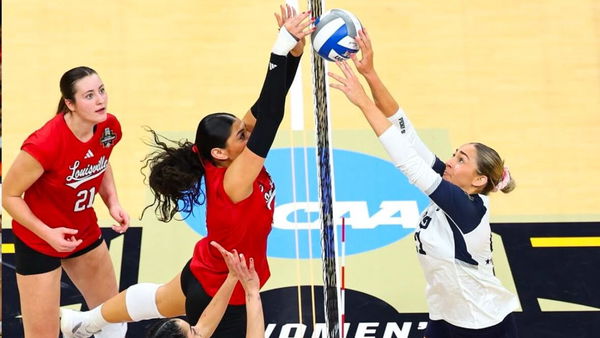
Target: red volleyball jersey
[(73, 170), (243, 226)]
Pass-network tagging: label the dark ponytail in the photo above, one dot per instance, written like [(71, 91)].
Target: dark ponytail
[(165, 328), (176, 172), (67, 86), (175, 175)]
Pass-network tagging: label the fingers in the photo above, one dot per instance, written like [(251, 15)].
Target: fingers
[(251, 267), (243, 262), (218, 246), (343, 65), (355, 60), (69, 244), (360, 39), (367, 41), (335, 76), (367, 37), (120, 228), (68, 231)]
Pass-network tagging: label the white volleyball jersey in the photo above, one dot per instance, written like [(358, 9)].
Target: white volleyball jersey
[(454, 245), (453, 239)]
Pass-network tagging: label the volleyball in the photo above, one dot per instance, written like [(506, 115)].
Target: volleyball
[(333, 38)]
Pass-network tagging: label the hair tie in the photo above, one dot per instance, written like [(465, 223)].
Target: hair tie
[(504, 180), (195, 149)]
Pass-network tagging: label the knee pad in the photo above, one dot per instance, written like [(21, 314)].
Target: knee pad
[(141, 301)]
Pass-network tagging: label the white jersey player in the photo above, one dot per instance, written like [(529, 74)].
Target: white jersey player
[(453, 239)]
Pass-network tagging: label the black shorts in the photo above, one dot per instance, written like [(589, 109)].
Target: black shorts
[(232, 325), (442, 329), (31, 262)]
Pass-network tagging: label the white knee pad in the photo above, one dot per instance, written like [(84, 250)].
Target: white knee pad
[(141, 301)]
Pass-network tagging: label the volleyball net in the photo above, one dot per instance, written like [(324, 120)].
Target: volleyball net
[(326, 193)]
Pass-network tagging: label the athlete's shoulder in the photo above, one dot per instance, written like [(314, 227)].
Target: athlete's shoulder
[(43, 143), (112, 121), (48, 133)]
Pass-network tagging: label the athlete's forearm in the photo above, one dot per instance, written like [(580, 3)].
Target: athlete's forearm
[(249, 121), (408, 161), (382, 97), (18, 209), (213, 313), (379, 123), (292, 67), (108, 190), (401, 121), (23, 173), (255, 317)]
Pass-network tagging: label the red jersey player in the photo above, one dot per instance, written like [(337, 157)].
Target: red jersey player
[(229, 153), (49, 192)]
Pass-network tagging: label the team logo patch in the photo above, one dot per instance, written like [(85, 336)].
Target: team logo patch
[(108, 138)]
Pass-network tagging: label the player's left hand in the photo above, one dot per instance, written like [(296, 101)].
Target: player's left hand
[(349, 84), (122, 218), (288, 12)]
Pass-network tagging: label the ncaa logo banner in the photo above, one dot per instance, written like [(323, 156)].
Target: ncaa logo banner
[(380, 207)]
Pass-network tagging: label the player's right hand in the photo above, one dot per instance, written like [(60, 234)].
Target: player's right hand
[(62, 239), (364, 65)]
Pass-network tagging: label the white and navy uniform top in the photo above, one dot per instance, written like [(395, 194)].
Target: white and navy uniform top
[(453, 238)]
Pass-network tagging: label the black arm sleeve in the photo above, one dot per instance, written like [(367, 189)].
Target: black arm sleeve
[(292, 63), (271, 107), (292, 66)]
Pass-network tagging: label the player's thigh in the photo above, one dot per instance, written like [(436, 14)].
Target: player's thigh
[(93, 274), (170, 299), (40, 301)]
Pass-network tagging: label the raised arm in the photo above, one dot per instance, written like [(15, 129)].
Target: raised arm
[(292, 63), (451, 198), (213, 313), (398, 147), (251, 284), (365, 66), (384, 100), (242, 172)]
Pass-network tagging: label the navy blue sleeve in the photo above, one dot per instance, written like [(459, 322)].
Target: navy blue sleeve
[(462, 209), (439, 166)]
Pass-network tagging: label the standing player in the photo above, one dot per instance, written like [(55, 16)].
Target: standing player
[(229, 153), (454, 237), (49, 191)]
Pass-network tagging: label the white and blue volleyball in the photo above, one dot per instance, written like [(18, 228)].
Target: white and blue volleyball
[(334, 35)]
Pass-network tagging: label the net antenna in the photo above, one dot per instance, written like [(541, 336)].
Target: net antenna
[(324, 154)]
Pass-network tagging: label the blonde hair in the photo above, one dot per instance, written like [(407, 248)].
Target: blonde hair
[(491, 165)]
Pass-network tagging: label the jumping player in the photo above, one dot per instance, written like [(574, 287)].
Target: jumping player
[(230, 154), (453, 239), (49, 191)]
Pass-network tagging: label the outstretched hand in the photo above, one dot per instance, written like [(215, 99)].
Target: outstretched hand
[(296, 25), (349, 84), (236, 263), (364, 65)]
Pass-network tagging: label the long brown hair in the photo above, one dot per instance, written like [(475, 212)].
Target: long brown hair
[(176, 170)]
